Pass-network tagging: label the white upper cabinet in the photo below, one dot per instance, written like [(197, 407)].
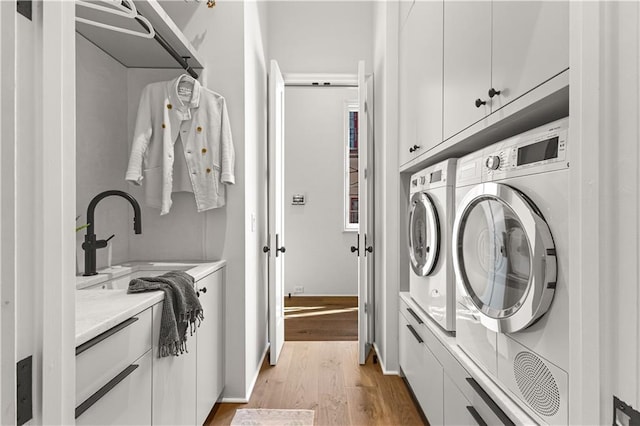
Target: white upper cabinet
[(508, 46), (420, 85), (467, 64), (530, 46)]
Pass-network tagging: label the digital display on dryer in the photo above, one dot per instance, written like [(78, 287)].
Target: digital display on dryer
[(539, 151), (436, 176)]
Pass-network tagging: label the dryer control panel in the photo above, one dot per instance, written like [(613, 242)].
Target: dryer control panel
[(539, 150)]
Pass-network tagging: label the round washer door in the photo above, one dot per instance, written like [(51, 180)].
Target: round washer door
[(424, 234), (504, 257)]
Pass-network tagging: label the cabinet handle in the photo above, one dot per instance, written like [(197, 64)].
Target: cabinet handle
[(493, 92), (414, 148), (492, 405), (104, 390), (99, 338), (411, 311), (476, 416), (415, 333), (480, 102), (203, 289)]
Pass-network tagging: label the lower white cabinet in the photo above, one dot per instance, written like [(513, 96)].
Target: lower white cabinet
[(423, 372), (210, 345), (457, 410), (174, 381), (127, 402), (121, 380)]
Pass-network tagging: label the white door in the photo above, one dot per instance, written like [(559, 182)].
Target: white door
[(365, 222), (275, 247)]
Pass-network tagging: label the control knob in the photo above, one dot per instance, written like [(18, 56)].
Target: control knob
[(493, 162)]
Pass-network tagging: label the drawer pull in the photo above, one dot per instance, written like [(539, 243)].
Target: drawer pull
[(476, 416), (413, 314), (99, 338), (492, 405), (415, 333), (104, 390)]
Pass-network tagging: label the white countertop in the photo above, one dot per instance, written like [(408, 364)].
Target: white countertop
[(511, 409), (99, 310)]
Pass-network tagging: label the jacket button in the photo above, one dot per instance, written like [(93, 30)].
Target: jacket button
[(198, 129), (208, 170), (164, 125), (204, 150), (169, 106)]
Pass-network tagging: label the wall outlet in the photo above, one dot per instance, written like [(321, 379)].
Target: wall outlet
[(298, 289)]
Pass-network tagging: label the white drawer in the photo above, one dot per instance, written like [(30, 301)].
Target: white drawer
[(422, 371), (485, 407), (102, 358), (458, 411), (125, 400)]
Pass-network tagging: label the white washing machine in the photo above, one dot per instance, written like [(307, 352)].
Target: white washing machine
[(510, 254), (431, 209)]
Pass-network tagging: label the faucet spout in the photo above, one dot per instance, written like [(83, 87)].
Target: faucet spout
[(90, 244)]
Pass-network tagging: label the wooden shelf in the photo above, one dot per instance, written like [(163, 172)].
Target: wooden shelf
[(138, 52)]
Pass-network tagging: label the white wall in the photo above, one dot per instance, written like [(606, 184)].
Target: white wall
[(256, 187), (318, 256), (388, 227), (313, 37), (101, 149)]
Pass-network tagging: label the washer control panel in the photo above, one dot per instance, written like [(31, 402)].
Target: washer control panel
[(539, 150)]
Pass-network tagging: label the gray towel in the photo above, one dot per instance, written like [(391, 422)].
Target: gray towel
[(181, 308)]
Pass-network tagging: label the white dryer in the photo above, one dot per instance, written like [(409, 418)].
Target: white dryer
[(510, 254), (431, 209)]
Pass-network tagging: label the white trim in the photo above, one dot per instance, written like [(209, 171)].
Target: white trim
[(381, 361), (584, 193), (253, 382), (57, 217), (319, 79), (8, 212)]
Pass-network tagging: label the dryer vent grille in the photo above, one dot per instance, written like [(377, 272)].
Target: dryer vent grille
[(536, 383)]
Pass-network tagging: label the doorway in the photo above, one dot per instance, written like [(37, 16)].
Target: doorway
[(321, 272), (321, 212)]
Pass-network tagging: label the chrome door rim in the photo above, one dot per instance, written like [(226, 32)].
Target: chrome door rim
[(543, 269), (433, 234)]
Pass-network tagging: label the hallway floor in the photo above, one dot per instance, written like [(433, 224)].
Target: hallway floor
[(326, 377), (316, 318)]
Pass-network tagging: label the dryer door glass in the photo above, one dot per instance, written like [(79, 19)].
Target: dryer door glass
[(424, 234), (504, 257), (496, 257)]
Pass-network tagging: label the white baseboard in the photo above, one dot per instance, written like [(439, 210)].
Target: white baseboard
[(319, 295), (381, 361), (253, 382)]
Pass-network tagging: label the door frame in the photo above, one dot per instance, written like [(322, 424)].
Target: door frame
[(350, 80)]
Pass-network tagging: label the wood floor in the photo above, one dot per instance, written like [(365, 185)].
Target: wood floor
[(321, 318), (326, 377)]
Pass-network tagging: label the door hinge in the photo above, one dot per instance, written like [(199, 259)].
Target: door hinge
[(24, 392), (366, 308)]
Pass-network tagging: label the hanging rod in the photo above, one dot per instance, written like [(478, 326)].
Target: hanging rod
[(182, 60)]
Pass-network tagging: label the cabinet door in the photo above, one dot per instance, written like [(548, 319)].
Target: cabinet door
[(423, 372), (456, 406), (530, 46), (174, 381), (210, 352), (467, 64), (127, 402), (420, 84)]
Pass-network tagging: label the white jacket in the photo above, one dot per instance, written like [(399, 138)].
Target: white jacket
[(204, 128)]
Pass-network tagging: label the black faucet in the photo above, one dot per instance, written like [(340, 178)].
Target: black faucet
[(90, 243)]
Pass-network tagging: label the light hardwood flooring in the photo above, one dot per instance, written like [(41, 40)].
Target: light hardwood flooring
[(326, 377), (321, 318)]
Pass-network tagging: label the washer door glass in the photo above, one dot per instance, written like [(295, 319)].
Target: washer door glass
[(496, 259), (424, 234), (504, 257)]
